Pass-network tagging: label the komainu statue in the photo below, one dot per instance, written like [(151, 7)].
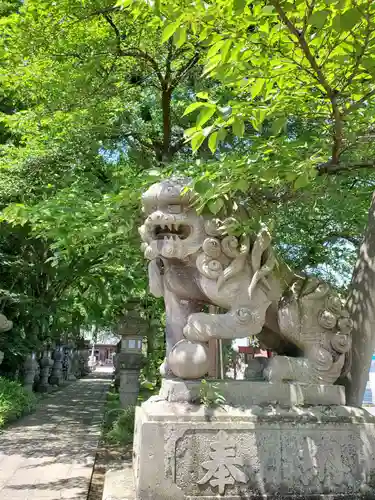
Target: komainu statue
[(5, 324), (195, 261)]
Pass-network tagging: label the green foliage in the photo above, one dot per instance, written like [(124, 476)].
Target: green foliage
[(94, 101), (210, 395), (15, 401), (122, 430), (118, 425)]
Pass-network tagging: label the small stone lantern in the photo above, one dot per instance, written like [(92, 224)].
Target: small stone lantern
[(46, 364), (29, 366), (56, 375), (129, 360)]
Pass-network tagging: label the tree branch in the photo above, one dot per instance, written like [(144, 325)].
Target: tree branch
[(329, 168), (304, 47), (343, 236), (182, 72), (99, 12), (144, 55), (309, 11), (337, 131), (357, 104), (168, 63), (116, 30)]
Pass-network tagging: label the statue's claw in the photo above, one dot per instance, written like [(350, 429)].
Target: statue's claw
[(196, 330)]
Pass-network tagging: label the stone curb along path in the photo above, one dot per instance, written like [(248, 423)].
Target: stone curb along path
[(50, 454)]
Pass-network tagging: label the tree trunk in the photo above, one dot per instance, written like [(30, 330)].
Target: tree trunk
[(361, 306), (166, 108)]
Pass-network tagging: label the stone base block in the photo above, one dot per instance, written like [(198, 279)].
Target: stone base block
[(189, 452), (119, 484), (245, 393)]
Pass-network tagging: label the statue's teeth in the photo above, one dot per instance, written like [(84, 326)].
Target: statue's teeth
[(170, 227)]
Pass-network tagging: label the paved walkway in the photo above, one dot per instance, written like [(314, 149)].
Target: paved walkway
[(49, 455)]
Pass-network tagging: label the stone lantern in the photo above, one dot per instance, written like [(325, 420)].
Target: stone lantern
[(71, 368), (56, 375), (5, 326), (130, 358), (46, 364), (30, 366)]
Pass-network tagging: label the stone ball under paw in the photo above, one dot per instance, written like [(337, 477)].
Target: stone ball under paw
[(189, 360)]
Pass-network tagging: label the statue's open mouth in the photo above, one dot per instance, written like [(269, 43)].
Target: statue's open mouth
[(174, 231)]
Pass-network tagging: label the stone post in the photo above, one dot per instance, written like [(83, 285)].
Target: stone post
[(37, 370), (1, 357), (130, 359), (56, 375), (75, 363), (29, 367), (92, 359), (46, 364), (86, 355), (117, 365), (65, 364), (81, 363)]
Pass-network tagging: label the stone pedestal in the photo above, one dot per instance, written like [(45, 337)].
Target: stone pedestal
[(56, 375), (184, 451), (244, 394)]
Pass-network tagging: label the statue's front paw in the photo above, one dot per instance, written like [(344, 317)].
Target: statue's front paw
[(165, 370), (196, 330)]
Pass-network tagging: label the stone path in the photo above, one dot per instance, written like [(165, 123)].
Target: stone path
[(50, 454)]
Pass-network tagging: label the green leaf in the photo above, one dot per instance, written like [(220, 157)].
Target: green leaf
[(258, 117), (205, 115), (123, 3), (350, 18), (239, 6), (192, 107), (225, 49), (203, 95), (347, 20), (242, 185), (213, 141), (257, 87), (214, 49), (202, 186), (169, 31), (190, 132), (238, 127), (301, 181), (215, 205), (197, 141), (222, 133), (180, 36), (268, 9), (278, 125), (319, 18)]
